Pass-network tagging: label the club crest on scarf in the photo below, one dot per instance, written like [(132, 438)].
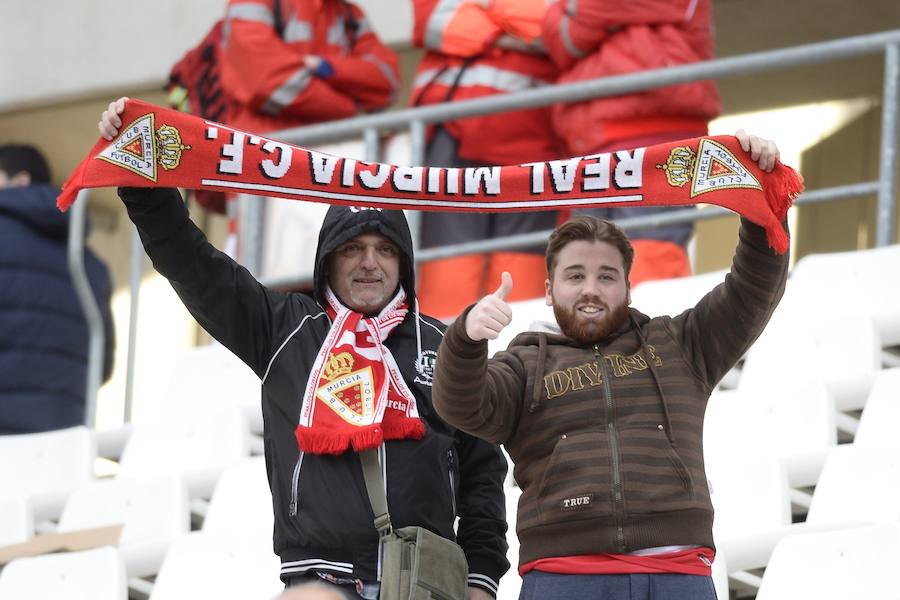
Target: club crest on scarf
[(356, 396), (140, 148), (712, 168), (349, 393)]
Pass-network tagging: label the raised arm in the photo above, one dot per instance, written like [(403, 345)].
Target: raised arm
[(718, 331), (222, 295)]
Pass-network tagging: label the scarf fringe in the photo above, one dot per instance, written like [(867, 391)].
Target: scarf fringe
[(403, 429), (782, 187), (368, 438), (334, 442)]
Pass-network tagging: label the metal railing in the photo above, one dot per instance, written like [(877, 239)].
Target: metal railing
[(371, 127)]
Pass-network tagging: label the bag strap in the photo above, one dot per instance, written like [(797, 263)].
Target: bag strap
[(375, 488)]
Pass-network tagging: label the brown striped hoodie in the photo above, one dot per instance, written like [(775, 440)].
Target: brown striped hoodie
[(607, 439)]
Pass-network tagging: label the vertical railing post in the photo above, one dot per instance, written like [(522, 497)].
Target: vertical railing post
[(416, 159), (134, 285), (372, 144), (94, 321), (887, 178)]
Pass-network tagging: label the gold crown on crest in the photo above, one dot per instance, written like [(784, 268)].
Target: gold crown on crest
[(169, 147), (337, 366), (680, 165)]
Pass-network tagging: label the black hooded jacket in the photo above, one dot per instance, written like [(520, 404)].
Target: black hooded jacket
[(323, 519)]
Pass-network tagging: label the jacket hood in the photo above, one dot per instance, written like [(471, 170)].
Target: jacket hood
[(35, 207), (343, 223)]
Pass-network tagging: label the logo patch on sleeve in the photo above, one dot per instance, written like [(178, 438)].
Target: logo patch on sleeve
[(576, 502)]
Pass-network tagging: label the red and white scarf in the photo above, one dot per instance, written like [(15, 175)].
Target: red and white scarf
[(159, 147), (356, 396)]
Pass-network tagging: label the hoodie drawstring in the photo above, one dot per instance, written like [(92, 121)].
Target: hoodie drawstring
[(662, 394), (536, 388)]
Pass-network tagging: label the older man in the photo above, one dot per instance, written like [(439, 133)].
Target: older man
[(346, 367)]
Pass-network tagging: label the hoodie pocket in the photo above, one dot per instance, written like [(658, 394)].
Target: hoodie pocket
[(576, 483), (655, 476)]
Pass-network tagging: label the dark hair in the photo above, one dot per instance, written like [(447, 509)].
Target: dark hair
[(588, 229), (15, 158)]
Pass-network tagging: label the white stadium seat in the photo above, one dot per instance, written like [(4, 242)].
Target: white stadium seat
[(200, 565), (97, 574), (16, 518), (46, 467), (197, 449), (878, 424), (241, 505), (837, 565), (864, 282), (154, 513)]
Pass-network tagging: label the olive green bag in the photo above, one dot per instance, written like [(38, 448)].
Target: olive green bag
[(416, 563)]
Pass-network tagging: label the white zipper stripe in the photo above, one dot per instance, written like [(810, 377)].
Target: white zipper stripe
[(284, 343)]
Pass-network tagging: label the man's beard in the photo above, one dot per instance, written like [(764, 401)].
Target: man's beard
[(586, 331)]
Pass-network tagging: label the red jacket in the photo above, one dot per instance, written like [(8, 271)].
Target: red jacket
[(264, 73), (598, 38), (460, 35)]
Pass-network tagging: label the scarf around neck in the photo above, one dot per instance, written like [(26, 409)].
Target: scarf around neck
[(356, 396), (159, 147)]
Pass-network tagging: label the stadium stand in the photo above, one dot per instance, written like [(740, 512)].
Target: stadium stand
[(241, 505), (878, 423)]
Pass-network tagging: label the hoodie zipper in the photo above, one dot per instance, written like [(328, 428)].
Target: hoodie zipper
[(452, 484), (295, 486), (613, 437)]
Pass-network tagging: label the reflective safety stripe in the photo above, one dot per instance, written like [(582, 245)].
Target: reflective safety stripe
[(388, 72), (337, 34), (251, 11), (571, 48), (362, 27), (248, 11), (492, 77), (438, 21), (287, 92), (297, 31)]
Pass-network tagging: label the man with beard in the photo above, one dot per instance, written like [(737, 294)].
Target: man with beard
[(604, 418)]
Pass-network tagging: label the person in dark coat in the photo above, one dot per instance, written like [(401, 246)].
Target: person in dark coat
[(43, 332)]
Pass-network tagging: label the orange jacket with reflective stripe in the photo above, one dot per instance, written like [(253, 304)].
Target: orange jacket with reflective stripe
[(599, 38), (264, 73), (459, 37)]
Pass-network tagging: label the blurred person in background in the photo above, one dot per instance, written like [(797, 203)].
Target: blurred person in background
[(289, 63), (474, 49), (43, 332), (603, 38)]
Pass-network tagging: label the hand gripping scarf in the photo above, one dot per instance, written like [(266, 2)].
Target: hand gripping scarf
[(159, 147), (356, 395)]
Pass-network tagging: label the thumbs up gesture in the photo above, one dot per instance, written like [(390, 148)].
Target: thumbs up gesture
[(488, 318)]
